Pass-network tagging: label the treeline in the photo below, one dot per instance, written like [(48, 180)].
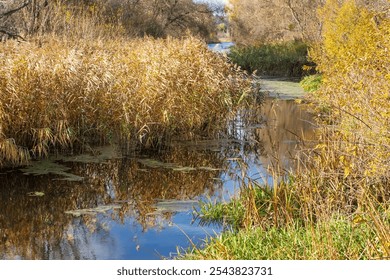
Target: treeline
[(273, 36), (260, 21), (86, 18)]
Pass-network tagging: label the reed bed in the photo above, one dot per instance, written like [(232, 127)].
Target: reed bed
[(56, 95)]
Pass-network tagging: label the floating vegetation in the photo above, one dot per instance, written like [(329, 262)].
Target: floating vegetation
[(37, 194), (97, 155), (281, 88), (47, 166), (93, 211), (172, 205), (152, 163)]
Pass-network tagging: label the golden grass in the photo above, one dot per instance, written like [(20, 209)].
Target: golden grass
[(56, 94)]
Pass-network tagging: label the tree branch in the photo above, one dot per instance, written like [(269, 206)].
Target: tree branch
[(12, 11), (10, 33)]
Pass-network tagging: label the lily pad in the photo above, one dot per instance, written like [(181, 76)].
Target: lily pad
[(172, 205), (98, 155), (157, 164), (93, 211)]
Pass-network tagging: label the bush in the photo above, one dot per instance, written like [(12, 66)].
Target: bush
[(354, 60), (283, 59)]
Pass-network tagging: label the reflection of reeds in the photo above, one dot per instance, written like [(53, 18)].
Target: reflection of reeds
[(62, 94), (28, 223)]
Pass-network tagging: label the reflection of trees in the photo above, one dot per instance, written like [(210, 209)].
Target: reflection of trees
[(288, 128), (270, 135), (38, 228)]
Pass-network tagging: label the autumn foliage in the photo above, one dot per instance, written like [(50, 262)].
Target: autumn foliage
[(354, 58)]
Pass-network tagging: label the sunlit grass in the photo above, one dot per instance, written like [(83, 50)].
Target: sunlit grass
[(336, 239), (296, 221)]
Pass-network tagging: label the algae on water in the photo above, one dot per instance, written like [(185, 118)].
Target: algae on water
[(47, 166)]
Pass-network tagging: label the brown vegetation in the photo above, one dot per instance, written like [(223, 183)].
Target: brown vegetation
[(261, 21), (58, 94), (20, 19)]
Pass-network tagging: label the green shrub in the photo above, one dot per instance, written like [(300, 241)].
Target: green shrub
[(282, 59)]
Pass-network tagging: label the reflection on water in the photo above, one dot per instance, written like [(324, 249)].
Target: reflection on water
[(43, 227), (140, 206)]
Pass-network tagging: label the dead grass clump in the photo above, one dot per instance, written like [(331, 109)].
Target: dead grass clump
[(59, 94)]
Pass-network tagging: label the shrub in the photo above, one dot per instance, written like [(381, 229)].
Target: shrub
[(354, 60), (282, 59)]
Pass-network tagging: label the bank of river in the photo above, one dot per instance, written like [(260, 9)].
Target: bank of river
[(115, 204)]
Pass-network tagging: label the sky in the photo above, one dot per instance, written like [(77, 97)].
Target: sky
[(213, 1)]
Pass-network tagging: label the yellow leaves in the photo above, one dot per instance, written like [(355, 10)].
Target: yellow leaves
[(358, 219), (68, 16), (347, 165), (354, 59)]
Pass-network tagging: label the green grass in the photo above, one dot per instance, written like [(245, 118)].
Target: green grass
[(281, 59), (335, 239), (231, 213), (294, 221)]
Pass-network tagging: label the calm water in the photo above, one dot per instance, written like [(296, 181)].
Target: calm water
[(115, 205), (221, 47)]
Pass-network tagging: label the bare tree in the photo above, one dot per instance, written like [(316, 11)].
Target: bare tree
[(7, 9), (274, 20)]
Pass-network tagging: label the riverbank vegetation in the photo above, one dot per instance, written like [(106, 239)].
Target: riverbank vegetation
[(273, 36), (336, 204), (78, 78), (92, 18), (286, 59)]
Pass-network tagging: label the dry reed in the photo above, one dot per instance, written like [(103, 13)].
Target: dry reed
[(56, 94)]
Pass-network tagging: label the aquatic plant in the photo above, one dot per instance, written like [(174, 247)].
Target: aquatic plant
[(57, 94)]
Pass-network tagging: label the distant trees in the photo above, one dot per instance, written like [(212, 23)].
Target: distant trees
[(273, 20), (7, 24), (254, 21), (160, 18), (134, 18)]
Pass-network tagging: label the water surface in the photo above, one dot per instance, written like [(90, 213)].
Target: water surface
[(112, 204)]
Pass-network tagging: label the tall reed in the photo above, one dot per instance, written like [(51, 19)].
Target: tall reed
[(57, 94)]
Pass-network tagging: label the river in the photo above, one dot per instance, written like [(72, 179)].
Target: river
[(113, 205), (120, 204)]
